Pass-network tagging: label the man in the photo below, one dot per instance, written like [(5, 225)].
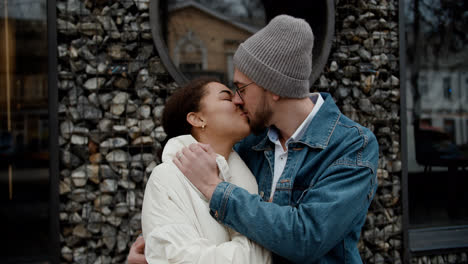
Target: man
[(315, 168)]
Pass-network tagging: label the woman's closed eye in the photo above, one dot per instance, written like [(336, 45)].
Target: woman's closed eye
[(226, 95)]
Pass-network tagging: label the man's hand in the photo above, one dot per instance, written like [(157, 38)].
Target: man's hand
[(198, 163), (137, 252)]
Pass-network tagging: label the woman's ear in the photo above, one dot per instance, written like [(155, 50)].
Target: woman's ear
[(194, 119)]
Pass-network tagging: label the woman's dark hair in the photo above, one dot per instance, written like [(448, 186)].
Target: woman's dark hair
[(183, 101)]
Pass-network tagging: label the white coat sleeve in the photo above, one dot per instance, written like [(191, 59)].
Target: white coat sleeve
[(171, 237)]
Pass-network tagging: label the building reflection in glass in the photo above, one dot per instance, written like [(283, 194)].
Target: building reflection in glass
[(24, 132), (437, 111), (203, 35)]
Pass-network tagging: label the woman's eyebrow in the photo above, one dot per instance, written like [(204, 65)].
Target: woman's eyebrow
[(226, 91)]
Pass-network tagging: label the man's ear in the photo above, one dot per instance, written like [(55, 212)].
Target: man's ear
[(274, 97), (194, 119)]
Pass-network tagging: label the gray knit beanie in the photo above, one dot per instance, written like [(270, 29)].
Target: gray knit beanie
[(279, 57)]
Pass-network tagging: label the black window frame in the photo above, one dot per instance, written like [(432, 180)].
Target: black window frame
[(54, 225)]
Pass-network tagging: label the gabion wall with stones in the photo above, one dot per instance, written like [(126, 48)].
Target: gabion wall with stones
[(112, 88), (362, 74)]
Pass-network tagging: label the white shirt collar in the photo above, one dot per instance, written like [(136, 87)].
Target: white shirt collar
[(273, 133)]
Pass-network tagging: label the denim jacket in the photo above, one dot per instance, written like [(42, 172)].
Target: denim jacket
[(322, 197)]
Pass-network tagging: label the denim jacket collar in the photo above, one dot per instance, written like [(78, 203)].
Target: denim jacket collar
[(318, 133)]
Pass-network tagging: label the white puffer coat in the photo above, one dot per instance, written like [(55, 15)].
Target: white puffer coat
[(177, 225)]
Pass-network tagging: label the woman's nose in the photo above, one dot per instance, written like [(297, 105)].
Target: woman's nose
[(237, 100)]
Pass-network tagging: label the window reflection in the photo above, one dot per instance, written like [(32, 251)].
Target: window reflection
[(24, 131), (203, 35), (437, 111)]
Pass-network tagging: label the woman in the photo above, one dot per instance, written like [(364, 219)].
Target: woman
[(177, 225)]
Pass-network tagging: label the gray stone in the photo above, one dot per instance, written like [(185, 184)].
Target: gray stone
[(66, 27), (365, 105), (114, 220), (364, 54), (81, 231), (67, 253), (118, 156), (94, 83), (350, 71), (144, 111), (159, 134), (66, 129), (64, 188), (129, 122), (142, 5), (158, 112), (109, 25), (120, 98), (69, 159), (333, 66), (122, 242), (122, 83), (135, 222), (87, 111), (90, 70), (150, 167), (112, 143), (79, 177), (72, 7), (346, 81), (79, 140), (103, 200), (134, 132), (80, 130), (146, 158), (120, 129), (156, 67), (342, 93), (109, 236), (144, 94), (105, 125), (105, 100), (93, 99), (147, 125), (136, 175), (323, 82), (131, 199), (145, 140), (62, 51), (108, 186), (117, 52), (90, 28), (106, 172), (117, 109), (131, 107), (86, 54), (121, 209)]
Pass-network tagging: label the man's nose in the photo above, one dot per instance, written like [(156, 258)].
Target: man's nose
[(237, 100)]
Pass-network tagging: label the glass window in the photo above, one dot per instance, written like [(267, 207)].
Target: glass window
[(201, 33), (466, 89), (24, 130), (447, 88), (436, 42), (423, 88)]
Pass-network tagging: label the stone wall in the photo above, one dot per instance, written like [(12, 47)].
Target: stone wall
[(363, 76), (112, 88)]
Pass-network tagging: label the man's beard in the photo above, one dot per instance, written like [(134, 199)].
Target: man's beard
[(261, 118)]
